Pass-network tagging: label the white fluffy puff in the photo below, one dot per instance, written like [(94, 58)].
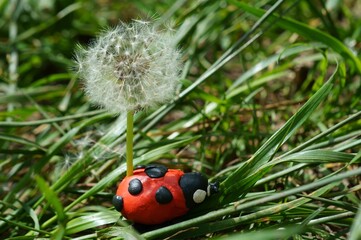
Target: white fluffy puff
[(129, 67)]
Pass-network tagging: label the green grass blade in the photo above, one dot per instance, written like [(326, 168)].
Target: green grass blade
[(119, 233), (316, 157), (283, 233), (355, 232), (52, 120), (333, 218), (90, 220), (22, 141), (23, 226), (247, 175), (54, 201)]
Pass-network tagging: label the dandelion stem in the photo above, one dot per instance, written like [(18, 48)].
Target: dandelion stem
[(129, 152)]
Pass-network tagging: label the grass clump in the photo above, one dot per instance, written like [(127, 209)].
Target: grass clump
[(269, 106)]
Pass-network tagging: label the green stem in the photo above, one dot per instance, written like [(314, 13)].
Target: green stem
[(129, 140)]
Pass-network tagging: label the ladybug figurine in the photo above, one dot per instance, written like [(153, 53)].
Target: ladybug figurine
[(155, 194)]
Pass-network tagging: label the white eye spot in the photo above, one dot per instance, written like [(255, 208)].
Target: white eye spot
[(199, 196)]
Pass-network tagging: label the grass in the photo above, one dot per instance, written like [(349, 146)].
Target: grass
[(269, 106)]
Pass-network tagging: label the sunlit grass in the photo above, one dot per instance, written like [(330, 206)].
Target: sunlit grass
[(269, 106)]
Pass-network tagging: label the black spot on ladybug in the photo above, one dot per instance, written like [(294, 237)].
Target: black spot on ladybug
[(156, 171), (135, 186), (118, 203), (190, 183), (163, 195)]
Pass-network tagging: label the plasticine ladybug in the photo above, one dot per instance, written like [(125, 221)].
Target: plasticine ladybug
[(155, 194)]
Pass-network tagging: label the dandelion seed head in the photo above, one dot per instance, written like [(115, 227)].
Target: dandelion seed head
[(132, 66)]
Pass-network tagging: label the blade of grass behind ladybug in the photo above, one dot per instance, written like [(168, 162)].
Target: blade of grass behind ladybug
[(249, 173)]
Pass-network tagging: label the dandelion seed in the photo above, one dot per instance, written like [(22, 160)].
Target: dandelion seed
[(68, 161), (63, 165), (80, 155), (84, 142)]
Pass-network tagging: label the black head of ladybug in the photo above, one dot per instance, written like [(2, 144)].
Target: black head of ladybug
[(213, 188), (195, 188)]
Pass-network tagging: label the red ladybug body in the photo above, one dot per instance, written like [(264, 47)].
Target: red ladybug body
[(155, 194)]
